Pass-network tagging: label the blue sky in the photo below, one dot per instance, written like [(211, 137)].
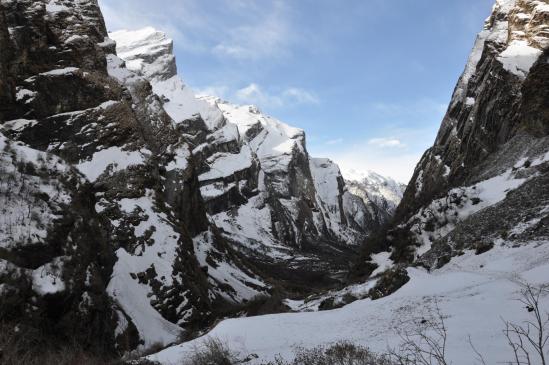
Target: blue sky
[(368, 80)]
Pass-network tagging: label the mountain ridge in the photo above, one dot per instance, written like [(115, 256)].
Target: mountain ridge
[(147, 212), (470, 235)]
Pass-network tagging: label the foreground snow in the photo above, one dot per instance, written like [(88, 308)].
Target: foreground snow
[(475, 292)]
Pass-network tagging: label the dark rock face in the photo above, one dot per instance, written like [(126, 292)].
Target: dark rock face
[(6, 91), (488, 108), (66, 243), (129, 225), (482, 181)]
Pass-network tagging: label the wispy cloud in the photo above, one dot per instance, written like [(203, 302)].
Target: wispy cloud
[(263, 33), (300, 96), (238, 29), (254, 94), (221, 91), (332, 142), (421, 106), (386, 143)]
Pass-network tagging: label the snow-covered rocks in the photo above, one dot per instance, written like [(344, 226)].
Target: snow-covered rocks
[(384, 192), (32, 194), (149, 53), (260, 186), (519, 57)]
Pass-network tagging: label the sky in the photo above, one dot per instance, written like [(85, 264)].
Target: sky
[(368, 80)]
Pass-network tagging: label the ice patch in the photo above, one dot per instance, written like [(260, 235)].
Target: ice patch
[(18, 125), (383, 262), (180, 160), (519, 57), (61, 71), (53, 7), (24, 94)]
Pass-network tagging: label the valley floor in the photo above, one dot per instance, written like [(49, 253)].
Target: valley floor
[(475, 294)]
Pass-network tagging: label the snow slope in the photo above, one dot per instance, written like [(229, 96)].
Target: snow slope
[(473, 292)]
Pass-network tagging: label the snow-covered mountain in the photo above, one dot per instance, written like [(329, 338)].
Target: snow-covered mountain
[(471, 230), (121, 235), (480, 180), (260, 186), (135, 213), (384, 192)]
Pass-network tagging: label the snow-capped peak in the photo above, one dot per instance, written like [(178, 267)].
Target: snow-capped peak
[(383, 191), (149, 53), (146, 51)]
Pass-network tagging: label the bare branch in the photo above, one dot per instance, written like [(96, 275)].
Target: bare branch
[(480, 358)]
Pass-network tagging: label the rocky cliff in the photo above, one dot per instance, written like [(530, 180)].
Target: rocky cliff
[(135, 213), (114, 227), (485, 178), (270, 199)]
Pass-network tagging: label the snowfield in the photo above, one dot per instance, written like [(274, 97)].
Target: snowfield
[(475, 293)]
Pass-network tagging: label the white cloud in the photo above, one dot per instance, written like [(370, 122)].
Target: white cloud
[(220, 91), (301, 96), (332, 142), (420, 106), (386, 142), (267, 33), (254, 94)]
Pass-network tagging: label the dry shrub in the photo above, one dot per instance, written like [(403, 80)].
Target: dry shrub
[(26, 346), (212, 352)]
